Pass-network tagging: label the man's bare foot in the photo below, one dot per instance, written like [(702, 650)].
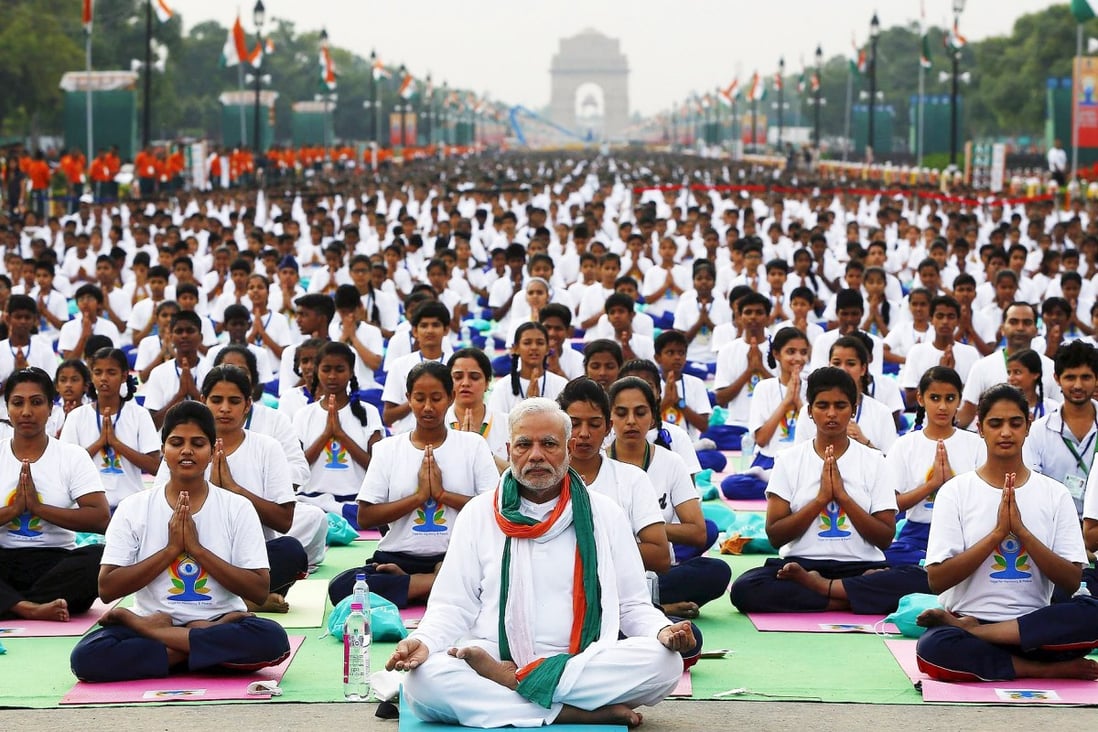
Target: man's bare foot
[(502, 672), (390, 569), (611, 714), (1079, 668), (130, 619), (275, 603), (58, 610), (688, 610), (812, 580), (223, 620), (935, 617)]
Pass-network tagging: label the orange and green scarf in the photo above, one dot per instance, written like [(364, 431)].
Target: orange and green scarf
[(538, 680)]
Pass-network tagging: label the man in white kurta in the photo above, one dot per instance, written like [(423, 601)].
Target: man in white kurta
[(457, 675)]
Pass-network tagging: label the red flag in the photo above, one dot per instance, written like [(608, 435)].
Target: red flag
[(87, 16)]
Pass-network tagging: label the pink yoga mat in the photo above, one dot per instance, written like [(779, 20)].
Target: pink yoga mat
[(368, 535), (835, 622), (685, 687), (904, 653), (745, 505), (411, 615), (77, 625), (1024, 691), (184, 687)]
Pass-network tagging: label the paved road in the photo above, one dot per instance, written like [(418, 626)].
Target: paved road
[(673, 716)]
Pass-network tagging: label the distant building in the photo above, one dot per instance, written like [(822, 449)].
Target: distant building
[(590, 85)]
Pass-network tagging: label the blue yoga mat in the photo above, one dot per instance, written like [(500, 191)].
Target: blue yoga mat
[(409, 723)]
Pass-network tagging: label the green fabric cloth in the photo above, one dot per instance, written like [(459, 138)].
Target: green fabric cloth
[(540, 685)]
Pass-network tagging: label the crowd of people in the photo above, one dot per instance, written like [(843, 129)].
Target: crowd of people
[(502, 360)]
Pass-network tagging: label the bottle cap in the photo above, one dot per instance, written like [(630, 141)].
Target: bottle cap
[(360, 577), (356, 606)]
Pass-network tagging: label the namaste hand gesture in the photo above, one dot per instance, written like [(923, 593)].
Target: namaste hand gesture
[(941, 471), (535, 376), (430, 477), (831, 482)]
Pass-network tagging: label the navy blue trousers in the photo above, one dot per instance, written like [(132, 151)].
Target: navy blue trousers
[(1060, 632), (116, 653), (910, 546), (696, 580), (760, 591), (49, 573), (288, 561), (393, 587)]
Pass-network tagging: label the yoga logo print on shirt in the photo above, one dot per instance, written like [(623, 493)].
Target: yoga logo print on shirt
[(335, 456), (752, 383), (188, 580), (672, 415), (26, 524), (832, 522), (1011, 561), (934, 493), (430, 518), (112, 464), (787, 428)]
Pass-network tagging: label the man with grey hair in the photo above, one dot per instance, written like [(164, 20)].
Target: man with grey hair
[(542, 577)]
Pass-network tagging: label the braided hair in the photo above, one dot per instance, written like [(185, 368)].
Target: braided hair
[(120, 360), (935, 375), (342, 350), (516, 385)]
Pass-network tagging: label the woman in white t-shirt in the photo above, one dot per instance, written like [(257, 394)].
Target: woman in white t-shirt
[(293, 400), (338, 432), (416, 483), (119, 435), (471, 370), (529, 376), (775, 405), (873, 425), (831, 516), (192, 554), (693, 580), (924, 459), (52, 492), (1002, 540)]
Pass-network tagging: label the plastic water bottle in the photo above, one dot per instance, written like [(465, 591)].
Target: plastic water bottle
[(747, 445), (466, 335), (356, 655), (360, 593)]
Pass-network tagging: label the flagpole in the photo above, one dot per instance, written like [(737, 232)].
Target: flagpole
[(240, 105), (89, 151), (1075, 111), (922, 105), (849, 102)]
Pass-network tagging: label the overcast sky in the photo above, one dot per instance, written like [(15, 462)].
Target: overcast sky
[(505, 47)]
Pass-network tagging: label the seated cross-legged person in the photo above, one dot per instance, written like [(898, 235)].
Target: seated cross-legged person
[(192, 553), (1002, 539), (832, 517), (416, 483), (53, 491)]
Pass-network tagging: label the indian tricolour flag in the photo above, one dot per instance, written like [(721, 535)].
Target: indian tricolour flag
[(235, 49), (163, 10), (407, 87), (757, 90), (730, 93), (1084, 9)]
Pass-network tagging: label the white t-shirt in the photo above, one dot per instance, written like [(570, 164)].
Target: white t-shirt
[(910, 461), (885, 390), (872, 417), (70, 334), (1008, 584), (163, 382), (39, 352), (924, 356), (903, 337), (271, 422), (334, 473), (769, 394), (701, 348), (467, 468), (61, 475), (292, 401), (262, 360), (991, 370), (227, 525), (692, 393), (502, 399), (821, 352), (655, 278), (731, 362), (259, 466), (133, 425), (370, 336), (147, 351), (671, 482), (630, 488), (493, 430), (796, 479)]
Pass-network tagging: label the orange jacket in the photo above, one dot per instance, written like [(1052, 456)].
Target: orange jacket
[(146, 165), (38, 171), (101, 169), (73, 167), (175, 164)]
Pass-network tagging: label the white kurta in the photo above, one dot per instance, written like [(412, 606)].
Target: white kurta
[(464, 610)]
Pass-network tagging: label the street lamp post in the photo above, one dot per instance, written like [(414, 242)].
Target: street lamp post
[(781, 90), (874, 33), (402, 108), (428, 103), (819, 87), (958, 6), (259, 15), (373, 126)]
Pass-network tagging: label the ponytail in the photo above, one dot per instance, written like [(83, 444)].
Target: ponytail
[(516, 385)]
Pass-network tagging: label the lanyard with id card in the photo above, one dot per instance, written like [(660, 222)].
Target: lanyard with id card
[(1076, 484)]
